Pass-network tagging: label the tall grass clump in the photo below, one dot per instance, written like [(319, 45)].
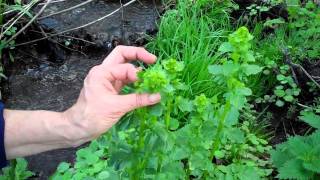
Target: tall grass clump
[(192, 33)]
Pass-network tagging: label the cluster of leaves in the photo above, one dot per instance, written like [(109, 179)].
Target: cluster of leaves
[(16, 171), (182, 137), (10, 28), (257, 9), (316, 105), (286, 90), (304, 28), (300, 33), (3, 43), (299, 157)]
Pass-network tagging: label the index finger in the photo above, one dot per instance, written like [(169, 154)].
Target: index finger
[(123, 54)]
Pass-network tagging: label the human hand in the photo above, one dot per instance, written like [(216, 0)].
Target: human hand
[(99, 105)]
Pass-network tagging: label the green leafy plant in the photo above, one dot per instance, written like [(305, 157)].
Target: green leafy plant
[(9, 27), (257, 9), (316, 105), (303, 28), (183, 136), (288, 90), (232, 72), (16, 171), (299, 157)]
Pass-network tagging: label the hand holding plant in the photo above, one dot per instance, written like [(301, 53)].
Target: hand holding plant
[(99, 105)]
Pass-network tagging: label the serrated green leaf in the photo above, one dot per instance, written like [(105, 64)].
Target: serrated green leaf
[(297, 146), (225, 47), (249, 57), (235, 135), (245, 91), (179, 154), (313, 164), (314, 140), (272, 22), (215, 69), (103, 175), (232, 117), (311, 118), (293, 169), (21, 164), (229, 68), (185, 105), (248, 172), (251, 69), (63, 167), (174, 124), (279, 156), (91, 158), (156, 110), (219, 154)]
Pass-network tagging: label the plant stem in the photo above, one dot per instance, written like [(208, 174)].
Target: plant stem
[(222, 118), (168, 112), (142, 116)]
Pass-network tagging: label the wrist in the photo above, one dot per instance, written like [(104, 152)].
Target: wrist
[(78, 132)]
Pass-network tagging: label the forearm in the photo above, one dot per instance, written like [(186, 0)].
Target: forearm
[(31, 132)]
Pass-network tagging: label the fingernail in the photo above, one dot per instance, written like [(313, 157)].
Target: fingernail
[(154, 56), (154, 98), (139, 69)]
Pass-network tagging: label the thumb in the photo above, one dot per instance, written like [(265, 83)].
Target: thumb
[(133, 101)]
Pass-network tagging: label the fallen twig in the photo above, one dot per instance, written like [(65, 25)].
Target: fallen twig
[(29, 23), (53, 1), (79, 27), (71, 37), (54, 41), (19, 15), (289, 62), (66, 10)]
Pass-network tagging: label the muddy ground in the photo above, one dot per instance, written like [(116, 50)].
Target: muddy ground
[(48, 76)]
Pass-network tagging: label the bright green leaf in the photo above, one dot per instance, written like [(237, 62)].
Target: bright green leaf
[(311, 118)]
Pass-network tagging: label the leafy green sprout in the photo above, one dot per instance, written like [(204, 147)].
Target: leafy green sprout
[(173, 66), (257, 9), (201, 103), (312, 87), (16, 171), (152, 81), (288, 90)]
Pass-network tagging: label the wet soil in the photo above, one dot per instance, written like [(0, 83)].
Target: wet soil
[(46, 76), (124, 26), (285, 121), (47, 87)]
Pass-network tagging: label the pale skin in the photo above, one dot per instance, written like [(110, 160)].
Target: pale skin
[(97, 109)]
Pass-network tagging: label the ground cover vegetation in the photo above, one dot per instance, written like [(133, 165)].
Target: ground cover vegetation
[(240, 99)]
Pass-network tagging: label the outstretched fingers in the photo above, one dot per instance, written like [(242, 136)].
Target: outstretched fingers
[(133, 101), (125, 73), (123, 54)]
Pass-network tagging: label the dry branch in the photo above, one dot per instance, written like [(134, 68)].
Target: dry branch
[(79, 27)]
